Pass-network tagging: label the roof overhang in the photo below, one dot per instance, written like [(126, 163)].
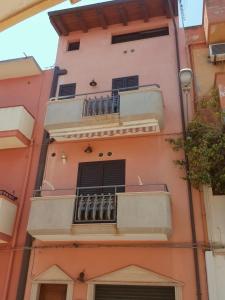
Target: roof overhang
[(108, 13), (15, 11), (19, 67)]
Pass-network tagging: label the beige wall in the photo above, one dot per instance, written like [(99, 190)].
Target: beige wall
[(204, 70), (214, 21)]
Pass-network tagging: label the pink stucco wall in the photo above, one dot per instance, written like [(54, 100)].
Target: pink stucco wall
[(176, 264), (154, 60), (149, 157), (19, 166)]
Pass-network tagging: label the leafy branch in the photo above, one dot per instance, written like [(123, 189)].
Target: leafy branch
[(204, 146)]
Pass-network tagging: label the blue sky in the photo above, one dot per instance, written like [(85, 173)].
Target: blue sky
[(37, 37)]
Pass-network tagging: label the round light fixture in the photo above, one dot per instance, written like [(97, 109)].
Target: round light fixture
[(186, 79), (93, 83)]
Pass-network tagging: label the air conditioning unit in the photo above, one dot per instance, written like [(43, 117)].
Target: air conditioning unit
[(217, 52)]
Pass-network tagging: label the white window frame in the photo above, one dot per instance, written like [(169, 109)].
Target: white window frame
[(62, 279), (149, 279)]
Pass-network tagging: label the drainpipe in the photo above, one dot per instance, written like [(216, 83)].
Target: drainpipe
[(40, 174), (189, 188), (29, 239), (57, 72)]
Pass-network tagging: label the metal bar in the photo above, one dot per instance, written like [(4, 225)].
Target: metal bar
[(144, 187), (95, 209), (100, 106), (106, 91)]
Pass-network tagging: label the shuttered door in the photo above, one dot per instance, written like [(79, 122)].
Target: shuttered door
[(113, 174), (104, 173), (129, 292), (90, 174)]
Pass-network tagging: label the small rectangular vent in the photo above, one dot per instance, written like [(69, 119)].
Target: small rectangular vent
[(217, 52), (140, 35)]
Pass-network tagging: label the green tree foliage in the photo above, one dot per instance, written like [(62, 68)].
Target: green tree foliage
[(204, 146)]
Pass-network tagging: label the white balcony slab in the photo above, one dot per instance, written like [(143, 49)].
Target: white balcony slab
[(16, 127), (7, 218)]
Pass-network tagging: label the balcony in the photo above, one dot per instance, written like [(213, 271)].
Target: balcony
[(8, 210), (16, 127), (140, 213), (106, 114)]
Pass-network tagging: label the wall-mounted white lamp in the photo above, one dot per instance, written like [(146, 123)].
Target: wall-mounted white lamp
[(186, 79), (64, 157)]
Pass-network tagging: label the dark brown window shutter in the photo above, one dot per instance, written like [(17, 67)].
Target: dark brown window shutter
[(103, 173), (128, 292)]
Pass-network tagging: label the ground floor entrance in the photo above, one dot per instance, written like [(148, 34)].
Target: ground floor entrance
[(53, 292), (132, 292)]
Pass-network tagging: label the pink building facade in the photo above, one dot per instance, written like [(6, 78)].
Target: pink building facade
[(24, 90), (112, 216)]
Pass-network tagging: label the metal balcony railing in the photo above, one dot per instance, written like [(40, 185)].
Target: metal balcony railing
[(95, 208), (102, 102), (104, 93), (102, 105), (106, 189), (8, 195), (98, 204)]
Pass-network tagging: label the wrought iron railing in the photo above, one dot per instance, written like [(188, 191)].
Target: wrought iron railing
[(102, 102), (98, 204), (8, 195), (95, 208), (102, 105)]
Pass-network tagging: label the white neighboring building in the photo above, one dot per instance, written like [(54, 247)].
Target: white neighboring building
[(215, 259)]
